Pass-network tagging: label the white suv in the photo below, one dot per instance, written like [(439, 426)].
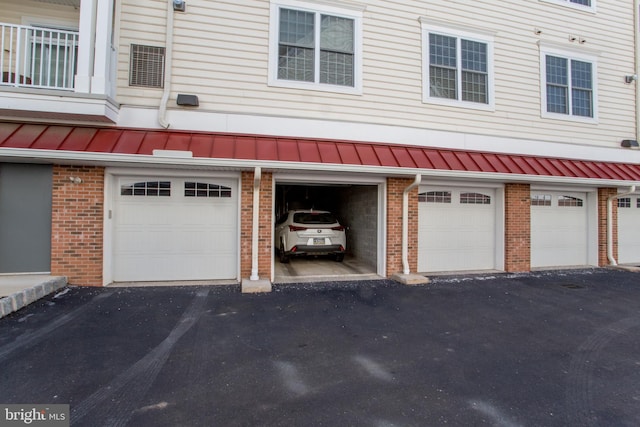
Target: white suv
[(309, 232)]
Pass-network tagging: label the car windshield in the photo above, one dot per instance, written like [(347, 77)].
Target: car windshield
[(314, 218)]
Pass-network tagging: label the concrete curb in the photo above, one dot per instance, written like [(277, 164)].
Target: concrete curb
[(18, 300)]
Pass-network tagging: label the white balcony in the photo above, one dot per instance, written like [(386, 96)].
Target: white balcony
[(38, 57), (58, 63)]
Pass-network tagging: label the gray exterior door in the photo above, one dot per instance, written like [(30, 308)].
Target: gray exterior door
[(25, 218)]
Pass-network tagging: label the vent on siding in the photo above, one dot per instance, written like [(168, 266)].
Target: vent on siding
[(147, 66)]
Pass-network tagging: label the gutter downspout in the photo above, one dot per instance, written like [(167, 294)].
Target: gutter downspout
[(405, 224), (168, 65), (257, 178), (610, 257)]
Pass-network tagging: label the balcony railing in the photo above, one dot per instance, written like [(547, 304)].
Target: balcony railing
[(38, 57)]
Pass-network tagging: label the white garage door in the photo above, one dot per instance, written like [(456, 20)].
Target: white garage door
[(456, 229), (629, 230), (175, 229), (559, 234)]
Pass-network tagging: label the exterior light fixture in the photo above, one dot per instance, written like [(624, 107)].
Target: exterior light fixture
[(179, 6), (630, 143), (187, 100), (630, 79)]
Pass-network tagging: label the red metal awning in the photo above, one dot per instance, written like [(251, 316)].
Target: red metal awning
[(302, 150)]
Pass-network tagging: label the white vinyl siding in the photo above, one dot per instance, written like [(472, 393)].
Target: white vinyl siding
[(222, 49)]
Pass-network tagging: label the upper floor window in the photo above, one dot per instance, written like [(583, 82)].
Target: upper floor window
[(578, 4), (315, 46), (568, 86), (458, 67)]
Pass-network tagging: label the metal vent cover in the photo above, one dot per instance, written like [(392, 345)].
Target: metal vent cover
[(147, 66)]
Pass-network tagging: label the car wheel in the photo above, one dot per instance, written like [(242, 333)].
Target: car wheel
[(339, 257), (283, 255)]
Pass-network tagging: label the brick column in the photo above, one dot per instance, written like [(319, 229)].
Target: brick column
[(603, 195), (77, 224), (395, 189), (517, 227), (265, 240)]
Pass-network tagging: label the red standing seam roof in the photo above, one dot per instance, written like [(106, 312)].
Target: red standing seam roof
[(304, 150)]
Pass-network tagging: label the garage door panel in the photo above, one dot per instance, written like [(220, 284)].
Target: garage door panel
[(629, 230), (455, 236), (559, 232), (180, 236)]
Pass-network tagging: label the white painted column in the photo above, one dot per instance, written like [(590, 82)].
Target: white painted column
[(85, 46), (102, 55)]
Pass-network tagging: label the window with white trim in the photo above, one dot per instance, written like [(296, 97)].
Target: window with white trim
[(474, 199), (435, 197), (458, 67), (204, 189), (568, 86), (568, 201), (588, 5), (541, 200), (625, 202), (148, 188), (315, 46)]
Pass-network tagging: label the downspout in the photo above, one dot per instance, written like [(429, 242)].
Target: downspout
[(405, 224), (610, 257), (257, 177), (168, 65)]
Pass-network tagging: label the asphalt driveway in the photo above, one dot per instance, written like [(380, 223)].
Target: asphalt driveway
[(541, 349)]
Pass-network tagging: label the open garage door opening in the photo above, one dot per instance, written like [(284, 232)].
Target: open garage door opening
[(333, 233)]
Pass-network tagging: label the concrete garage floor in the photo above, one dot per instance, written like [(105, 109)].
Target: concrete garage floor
[(314, 269), (549, 349)]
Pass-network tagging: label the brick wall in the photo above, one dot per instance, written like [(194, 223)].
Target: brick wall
[(395, 188), (517, 227), (77, 224), (603, 194), (265, 241)]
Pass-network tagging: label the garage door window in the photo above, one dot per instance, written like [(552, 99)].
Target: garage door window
[(475, 199), (148, 188), (435, 197), (624, 203), (204, 189), (541, 200), (568, 201)]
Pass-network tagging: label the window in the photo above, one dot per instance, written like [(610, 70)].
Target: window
[(638, 203), (569, 86), (315, 46), (568, 201), (588, 5), (203, 189), (147, 66), (435, 197), (458, 67), (624, 202), (540, 200), (149, 188), (475, 199)]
